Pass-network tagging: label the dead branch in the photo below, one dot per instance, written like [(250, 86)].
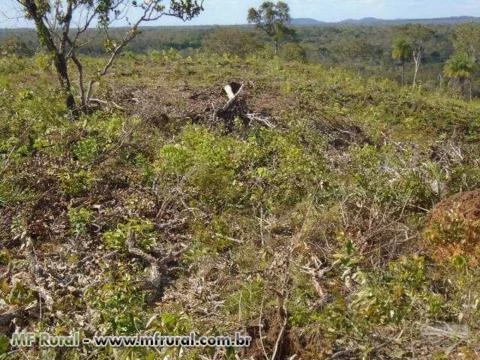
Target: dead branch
[(343, 354), (7, 316), (155, 274), (232, 97), (261, 119), (228, 111), (260, 327), (106, 103), (230, 238), (176, 223), (284, 314), (317, 274)]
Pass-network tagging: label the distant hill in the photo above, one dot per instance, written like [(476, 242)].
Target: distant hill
[(371, 21), (306, 22)]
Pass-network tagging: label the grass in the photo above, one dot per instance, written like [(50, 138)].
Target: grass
[(318, 222)]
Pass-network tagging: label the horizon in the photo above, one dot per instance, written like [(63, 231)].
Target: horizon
[(189, 24), (233, 12)]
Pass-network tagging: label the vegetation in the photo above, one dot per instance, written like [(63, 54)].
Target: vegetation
[(461, 67), (273, 20), (54, 28), (233, 41), (324, 224), (402, 51), (417, 36), (366, 50)]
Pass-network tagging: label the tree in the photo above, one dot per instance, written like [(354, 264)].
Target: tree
[(231, 41), (13, 45), (294, 52), (402, 51), (466, 39), (461, 67), (54, 20), (417, 35), (272, 19)]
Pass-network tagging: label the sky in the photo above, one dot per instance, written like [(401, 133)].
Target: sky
[(232, 12)]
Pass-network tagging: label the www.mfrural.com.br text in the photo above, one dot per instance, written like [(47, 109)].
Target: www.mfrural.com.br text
[(157, 340)]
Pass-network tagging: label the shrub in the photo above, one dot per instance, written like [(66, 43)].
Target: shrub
[(86, 150), (75, 184), (143, 230), (79, 220), (293, 52)]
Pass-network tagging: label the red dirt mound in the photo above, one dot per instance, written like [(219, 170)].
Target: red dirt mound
[(453, 228)]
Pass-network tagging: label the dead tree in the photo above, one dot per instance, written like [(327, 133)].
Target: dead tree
[(236, 107)]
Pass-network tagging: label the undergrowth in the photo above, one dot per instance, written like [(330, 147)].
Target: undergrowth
[(318, 221)]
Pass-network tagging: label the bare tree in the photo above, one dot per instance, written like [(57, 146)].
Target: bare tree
[(62, 24), (417, 36)]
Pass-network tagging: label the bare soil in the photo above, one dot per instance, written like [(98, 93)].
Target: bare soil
[(453, 228)]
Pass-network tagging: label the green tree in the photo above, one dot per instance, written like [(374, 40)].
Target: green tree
[(461, 67), (15, 46), (293, 52), (417, 35), (466, 39), (60, 25), (402, 51), (272, 19), (231, 41)]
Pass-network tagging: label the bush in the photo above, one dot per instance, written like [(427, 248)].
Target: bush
[(293, 52), (453, 229), (231, 41), (86, 150), (142, 231), (75, 184), (79, 220)]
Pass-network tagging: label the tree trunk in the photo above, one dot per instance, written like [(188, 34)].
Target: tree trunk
[(466, 92), (62, 71), (470, 89), (276, 47), (45, 35), (403, 73), (417, 59), (417, 65)]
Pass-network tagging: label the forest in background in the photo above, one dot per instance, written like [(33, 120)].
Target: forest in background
[(365, 49)]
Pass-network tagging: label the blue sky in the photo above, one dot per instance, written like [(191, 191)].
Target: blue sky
[(234, 11)]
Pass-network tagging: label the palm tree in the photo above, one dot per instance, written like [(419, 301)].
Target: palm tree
[(402, 51), (461, 67), (418, 37)]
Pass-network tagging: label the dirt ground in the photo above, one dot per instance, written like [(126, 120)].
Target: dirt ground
[(455, 218)]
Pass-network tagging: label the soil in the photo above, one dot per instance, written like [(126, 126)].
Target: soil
[(465, 204), (453, 228)]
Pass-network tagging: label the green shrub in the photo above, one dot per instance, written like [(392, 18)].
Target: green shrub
[(119, 305), (393, 296), (79, 220), (293, 52), (75, 184), (142, 230), (86, 150)]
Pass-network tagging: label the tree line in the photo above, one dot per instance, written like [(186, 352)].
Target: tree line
[(409, 46), (432, 53)]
